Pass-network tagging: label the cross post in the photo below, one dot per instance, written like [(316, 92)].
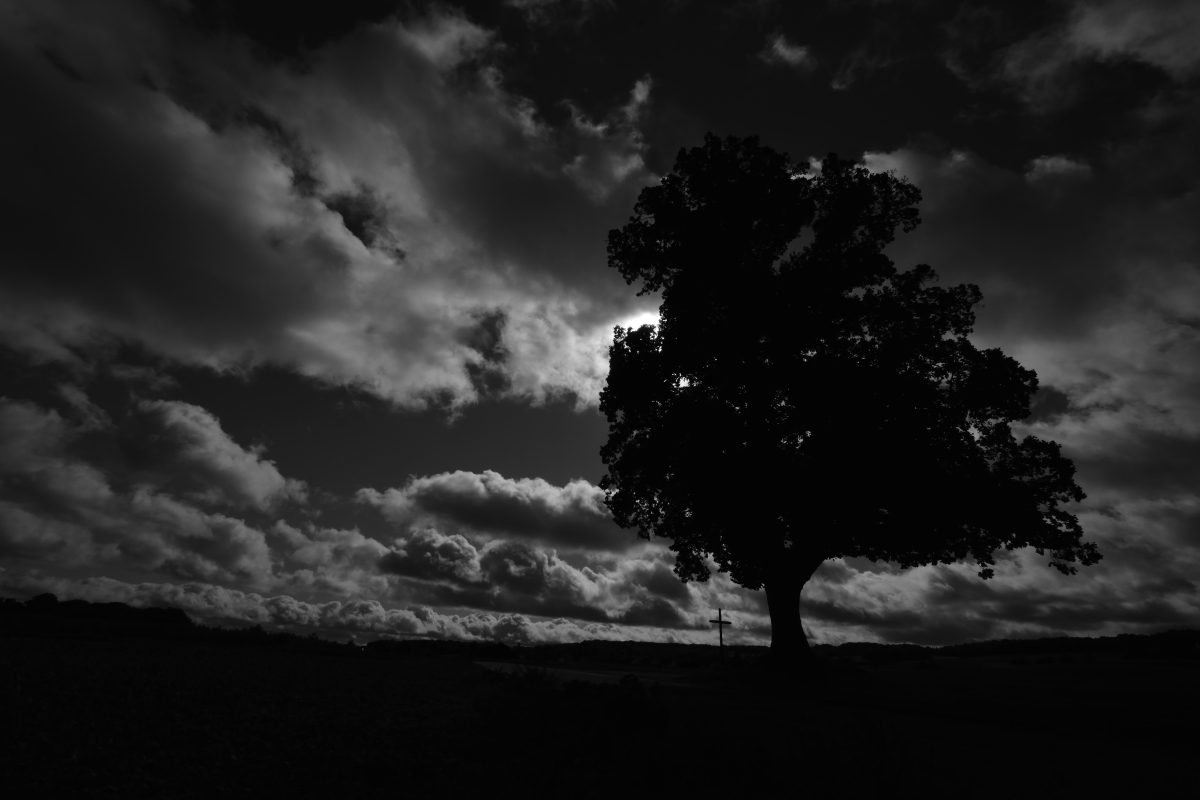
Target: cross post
[(721, 623)]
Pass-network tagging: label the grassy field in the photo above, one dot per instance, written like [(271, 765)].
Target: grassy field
[(193, 719)]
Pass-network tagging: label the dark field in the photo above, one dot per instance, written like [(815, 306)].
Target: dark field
[(95, 718)]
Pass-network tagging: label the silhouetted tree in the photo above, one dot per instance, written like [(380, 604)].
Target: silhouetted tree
[(801, 399), (44, 603)]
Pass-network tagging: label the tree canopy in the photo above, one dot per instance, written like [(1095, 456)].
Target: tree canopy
[(802, 399)]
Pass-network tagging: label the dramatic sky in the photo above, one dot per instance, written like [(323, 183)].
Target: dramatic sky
[(304, 315)]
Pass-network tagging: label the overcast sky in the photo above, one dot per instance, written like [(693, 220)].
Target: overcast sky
[(304, 315)]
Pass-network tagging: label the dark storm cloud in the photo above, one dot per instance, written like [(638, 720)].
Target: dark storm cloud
[(1049, 249), (95, 219), (183, 446), (1152, 464), (1050, 56), (190, 506), (659, 579), (361, 212), (1048, 404), (348, 219), (60, 509), (1184, 526), (486, 338), (569, 517), (299, 160)]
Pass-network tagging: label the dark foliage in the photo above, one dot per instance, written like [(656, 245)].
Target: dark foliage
[(802, 399), (48, 605)]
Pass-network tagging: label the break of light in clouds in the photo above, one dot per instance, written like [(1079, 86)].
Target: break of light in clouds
[(227, 242)]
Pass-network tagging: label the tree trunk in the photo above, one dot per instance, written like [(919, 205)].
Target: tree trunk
[(789, 645)]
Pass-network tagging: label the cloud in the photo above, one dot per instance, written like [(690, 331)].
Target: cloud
[(1048, 67), (486, 548), (859, 63), (175, 436), (33, 461), (546, 12), (59, 509), (1088, 276), (1065, 249), (494, 571), (947, 604), (1088, 272), (193, 506), (780, 51), (147, 377), (1046, 168), (351, 221), (93, 417), (610, 151), (488, 504), (1160, 32), (369, 619), (446, 41), (513, 576), (430, 555), (26, 536)]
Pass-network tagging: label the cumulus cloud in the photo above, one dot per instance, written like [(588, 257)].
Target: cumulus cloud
[(498, 554), (494, 573), (429, 555), (488, 504), (513, 576), (351, 221)]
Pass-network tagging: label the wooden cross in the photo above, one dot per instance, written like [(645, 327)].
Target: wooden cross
[(721, 623)]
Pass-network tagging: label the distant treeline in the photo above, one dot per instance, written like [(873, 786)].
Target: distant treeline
[(45, 615), (1167, 644)]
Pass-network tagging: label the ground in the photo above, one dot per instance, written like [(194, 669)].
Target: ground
[(173, 719)]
